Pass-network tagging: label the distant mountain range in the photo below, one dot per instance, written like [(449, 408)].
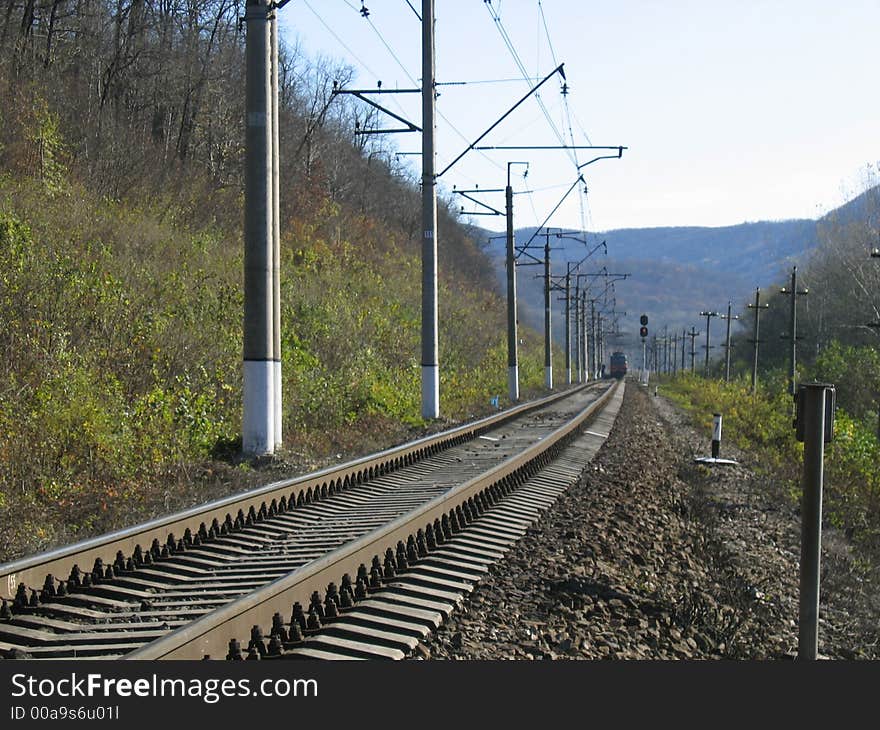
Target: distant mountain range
[(674, 272)]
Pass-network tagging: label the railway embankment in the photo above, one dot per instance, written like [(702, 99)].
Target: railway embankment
[(651, 556)]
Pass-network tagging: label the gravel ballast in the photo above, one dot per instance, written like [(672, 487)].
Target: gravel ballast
[(651, 556)]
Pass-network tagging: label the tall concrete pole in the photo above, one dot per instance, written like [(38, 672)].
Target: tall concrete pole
[(594, 352), (276, 233), (757, 306), (727, 348), (568, 323), (585, 339), (512, 355), (258, 416), (684, 335), (708, 316), (577, 330), (693, 335), (792, 333), (430, 358), (548, 353), (707, 345)]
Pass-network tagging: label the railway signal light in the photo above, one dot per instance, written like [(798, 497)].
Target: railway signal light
[(643, 320), (643, 331)]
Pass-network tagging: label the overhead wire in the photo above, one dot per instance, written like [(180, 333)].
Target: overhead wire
[(499, 25), (416, 83)]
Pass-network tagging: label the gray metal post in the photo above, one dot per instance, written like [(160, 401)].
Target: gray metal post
[(512, 356), (430, 357), (567, 323), (276, 232), (548, 354), (258, 421), (813, 413)]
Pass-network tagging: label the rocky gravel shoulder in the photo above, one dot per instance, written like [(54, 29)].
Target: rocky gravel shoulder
[(651, 556)]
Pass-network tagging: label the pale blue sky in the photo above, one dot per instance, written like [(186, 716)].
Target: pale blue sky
[(732, 112)]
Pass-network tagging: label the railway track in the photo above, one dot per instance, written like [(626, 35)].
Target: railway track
[(366, 540)]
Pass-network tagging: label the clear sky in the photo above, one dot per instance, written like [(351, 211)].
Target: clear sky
[(732, 112)]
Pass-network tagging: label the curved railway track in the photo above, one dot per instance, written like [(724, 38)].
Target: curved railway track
[(200, 582)]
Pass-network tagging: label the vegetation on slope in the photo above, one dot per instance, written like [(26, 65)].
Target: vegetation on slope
[(761, 425), (121, 272)]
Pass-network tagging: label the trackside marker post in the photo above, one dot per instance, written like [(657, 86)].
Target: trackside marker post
[(814, 424), (716, 435), (716, 444)]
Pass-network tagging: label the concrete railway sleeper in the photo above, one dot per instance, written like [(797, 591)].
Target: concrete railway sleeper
[(388, 612), (127, 599), (408, 575)]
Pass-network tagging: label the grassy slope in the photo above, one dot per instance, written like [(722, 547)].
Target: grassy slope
[(120, 328)]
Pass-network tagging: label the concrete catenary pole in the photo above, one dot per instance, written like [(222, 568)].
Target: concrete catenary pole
[(585, 339), (258, 413), (594, 350), (276, 233), (512, 355), (548, 352), (430, 357), (568, 323), (577, 331), (792, 333)]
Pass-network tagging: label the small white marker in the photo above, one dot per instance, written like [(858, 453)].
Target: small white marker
[(488, 438)]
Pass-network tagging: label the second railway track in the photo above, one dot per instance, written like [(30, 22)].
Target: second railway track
[(183, 587)]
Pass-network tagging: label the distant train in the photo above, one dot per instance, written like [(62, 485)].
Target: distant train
[(618, 365)]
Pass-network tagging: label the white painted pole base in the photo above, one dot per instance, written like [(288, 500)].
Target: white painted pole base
[(258, 419), (548, 377), (279, 430), (430, 391), (513, 382), (568, 376)]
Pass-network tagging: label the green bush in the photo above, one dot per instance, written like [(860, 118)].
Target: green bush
[(762, 426)]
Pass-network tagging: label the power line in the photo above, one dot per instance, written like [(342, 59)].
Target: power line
[(510, 47), (547, 32), (338, 39)]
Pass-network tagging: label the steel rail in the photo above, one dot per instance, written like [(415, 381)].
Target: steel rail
[(210, 635), (31, 571)]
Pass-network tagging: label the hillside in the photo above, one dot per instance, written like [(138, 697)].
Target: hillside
[(676, 272), (121, 177)]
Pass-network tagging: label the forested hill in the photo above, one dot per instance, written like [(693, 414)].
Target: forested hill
[(121, 150)]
